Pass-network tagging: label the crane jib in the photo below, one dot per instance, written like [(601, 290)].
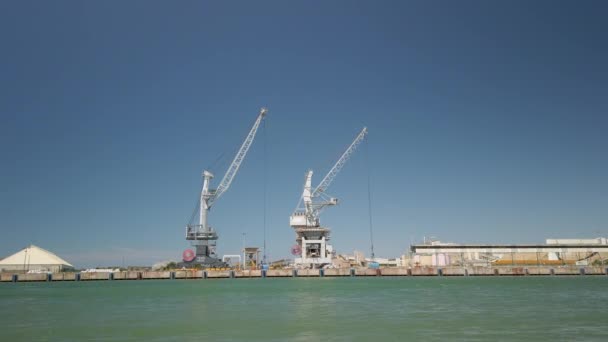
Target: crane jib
[(238, 159)]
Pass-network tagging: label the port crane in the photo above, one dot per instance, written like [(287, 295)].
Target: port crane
[(311, 238), (202, 236)]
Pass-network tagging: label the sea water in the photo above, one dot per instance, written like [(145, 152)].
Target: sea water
[(529, 308)]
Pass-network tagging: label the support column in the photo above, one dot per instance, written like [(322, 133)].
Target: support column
[(323, 247)]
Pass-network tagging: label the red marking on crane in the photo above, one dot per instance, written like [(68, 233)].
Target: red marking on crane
[(188, 255)]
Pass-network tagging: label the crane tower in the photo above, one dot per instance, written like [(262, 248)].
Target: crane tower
[(202, 236), (311, 238)]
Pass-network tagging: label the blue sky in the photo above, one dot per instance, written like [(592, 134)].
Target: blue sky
[(487, 121)]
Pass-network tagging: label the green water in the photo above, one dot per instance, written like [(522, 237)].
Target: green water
[(320, 309)]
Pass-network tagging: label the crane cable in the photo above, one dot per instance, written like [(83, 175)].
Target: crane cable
[(369, 198), (265, 161)]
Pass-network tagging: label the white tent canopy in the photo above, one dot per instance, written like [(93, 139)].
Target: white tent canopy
[(34, 258)]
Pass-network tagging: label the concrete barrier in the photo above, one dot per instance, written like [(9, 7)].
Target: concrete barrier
[(423, 271), (365, 272), (331, 272), (6, 277), (64, 276), (119, 276), (218, 274), (133, 275), (251, 273), (454, 271), (515, 271), (566, 270), (393, 271), (308, 273), (156, 275), (337, 272), (275, 273), (32, 277), (86, 276)]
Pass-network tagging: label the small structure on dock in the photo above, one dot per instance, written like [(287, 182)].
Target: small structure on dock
[(252, 257), (34, 259)]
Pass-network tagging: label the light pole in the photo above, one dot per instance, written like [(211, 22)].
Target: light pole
[(243, 263)]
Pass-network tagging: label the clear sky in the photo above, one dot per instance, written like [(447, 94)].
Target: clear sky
[(488, 121)]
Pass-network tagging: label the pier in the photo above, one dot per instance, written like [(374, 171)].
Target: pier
[(308, 273)]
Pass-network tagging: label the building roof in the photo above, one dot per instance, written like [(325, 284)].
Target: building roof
[(33, 255)]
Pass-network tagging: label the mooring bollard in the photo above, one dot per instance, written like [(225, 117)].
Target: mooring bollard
[(14, 278), (581, 271), (526, 271), (294, 273), (231, 273), (552, 271), (49, 277), (204, 275), (77, 277), (263, 273), (439, 272), (409, 271), (172, 275), (352, 272), (111, 276), (496, 271), (466, 272), (321, 272)]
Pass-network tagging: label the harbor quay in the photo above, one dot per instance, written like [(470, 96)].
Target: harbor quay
[(308, 273)]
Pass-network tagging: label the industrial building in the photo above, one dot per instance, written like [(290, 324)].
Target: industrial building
[(557, 252), (34, 259)]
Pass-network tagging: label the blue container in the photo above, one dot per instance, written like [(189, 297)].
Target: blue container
[(373, 265), (265, 267)]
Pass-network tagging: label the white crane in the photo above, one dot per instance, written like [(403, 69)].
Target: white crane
[(203, 235), (310, 236)]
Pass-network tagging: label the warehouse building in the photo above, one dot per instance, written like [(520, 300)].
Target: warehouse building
[(34, 259), (554, 252)]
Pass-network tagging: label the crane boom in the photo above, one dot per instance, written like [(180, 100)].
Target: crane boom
[(331, 175), (238, 159)]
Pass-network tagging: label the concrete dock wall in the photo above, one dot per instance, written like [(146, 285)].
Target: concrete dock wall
[(342, 272), (277, 273)]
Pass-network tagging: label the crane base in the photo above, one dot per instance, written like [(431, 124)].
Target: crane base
[(204, 262)]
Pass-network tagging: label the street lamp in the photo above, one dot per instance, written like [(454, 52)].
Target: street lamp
[(243, 263)]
